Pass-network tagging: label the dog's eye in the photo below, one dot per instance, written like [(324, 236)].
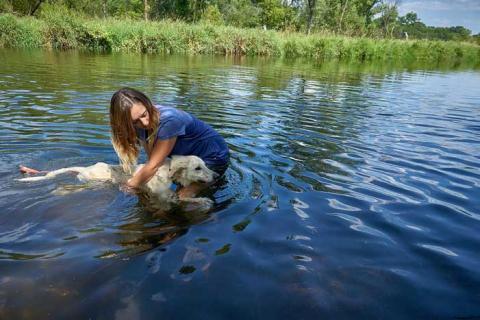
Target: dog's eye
[(198, 168)]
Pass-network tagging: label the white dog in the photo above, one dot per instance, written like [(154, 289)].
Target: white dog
[(183, 170)]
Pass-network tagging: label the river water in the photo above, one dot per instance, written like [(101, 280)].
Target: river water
[(353, 192)]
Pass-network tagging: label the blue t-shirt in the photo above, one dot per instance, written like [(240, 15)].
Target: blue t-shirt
[(194, 137)]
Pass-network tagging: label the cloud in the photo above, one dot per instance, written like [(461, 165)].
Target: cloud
[(441, 5), (445, 13)]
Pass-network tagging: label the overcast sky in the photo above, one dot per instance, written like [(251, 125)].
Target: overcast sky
[(445, 13)]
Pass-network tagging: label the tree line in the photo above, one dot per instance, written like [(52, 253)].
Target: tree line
[(372, 18)]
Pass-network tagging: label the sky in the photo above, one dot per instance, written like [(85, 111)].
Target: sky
[(445, 13)]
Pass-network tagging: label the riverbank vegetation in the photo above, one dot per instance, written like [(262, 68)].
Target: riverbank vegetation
[(355, 30)]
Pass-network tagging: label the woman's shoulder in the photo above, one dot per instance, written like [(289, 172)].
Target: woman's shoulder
[(164, 108), (167, 112)]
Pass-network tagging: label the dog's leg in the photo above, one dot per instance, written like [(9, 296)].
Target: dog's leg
[(191, 190)]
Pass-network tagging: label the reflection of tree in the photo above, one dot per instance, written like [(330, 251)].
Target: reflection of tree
[(299, 120), (316, 129)]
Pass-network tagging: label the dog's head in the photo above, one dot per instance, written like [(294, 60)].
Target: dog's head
[(188, 169)]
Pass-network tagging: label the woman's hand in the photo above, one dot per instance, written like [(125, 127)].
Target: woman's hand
[(130, 184), (128, 187), (160, 151)]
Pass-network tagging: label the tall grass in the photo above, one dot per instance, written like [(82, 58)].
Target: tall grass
[(62, 30)]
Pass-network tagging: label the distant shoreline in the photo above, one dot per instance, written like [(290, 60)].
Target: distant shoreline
[(114, 35)]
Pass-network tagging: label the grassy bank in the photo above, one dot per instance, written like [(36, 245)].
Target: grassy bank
[(65, 31)]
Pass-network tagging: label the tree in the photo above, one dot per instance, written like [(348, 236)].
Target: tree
[(275, 14), (388, 11), (409, 19), (366, 8), (24, 7), (311, 4), (213, 15), (145, 10), (240, 13), (476, 38)]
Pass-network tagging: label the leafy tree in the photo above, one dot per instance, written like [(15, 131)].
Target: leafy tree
[(476, 38), (213, 15), (240, 13), (416, 29), (388, 15), (310, 8), (24, 7), (366, 8), (342, 16), (409, 19), (177, 9), (274, 14)]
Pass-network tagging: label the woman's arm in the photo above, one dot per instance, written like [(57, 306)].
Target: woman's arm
[(161, 150)]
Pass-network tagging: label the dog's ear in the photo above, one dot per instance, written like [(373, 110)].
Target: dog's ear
[(177, 166), (177, 175)]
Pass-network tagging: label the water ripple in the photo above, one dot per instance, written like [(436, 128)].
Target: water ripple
[(342, 179)]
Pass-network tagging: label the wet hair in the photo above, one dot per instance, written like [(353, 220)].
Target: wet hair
[(123, 133)]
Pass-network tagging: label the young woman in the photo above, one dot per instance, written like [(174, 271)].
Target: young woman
[(162, 131)]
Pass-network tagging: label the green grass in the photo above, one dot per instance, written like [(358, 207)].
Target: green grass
[(63, 30)]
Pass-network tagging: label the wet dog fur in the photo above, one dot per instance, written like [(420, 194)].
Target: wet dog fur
[(183, 170)]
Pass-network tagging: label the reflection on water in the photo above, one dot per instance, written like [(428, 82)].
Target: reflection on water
[(353, 190)]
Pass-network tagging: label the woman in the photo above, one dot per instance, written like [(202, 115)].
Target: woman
[(163, 131)]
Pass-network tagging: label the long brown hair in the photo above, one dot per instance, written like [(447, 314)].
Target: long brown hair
[(123, 133)]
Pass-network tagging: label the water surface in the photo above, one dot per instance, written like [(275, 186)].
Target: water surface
[(353, 191)]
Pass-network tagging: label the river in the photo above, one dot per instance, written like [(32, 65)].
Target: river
[(353, 192)]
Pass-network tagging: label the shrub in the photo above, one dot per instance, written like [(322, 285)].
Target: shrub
[(58, 28)]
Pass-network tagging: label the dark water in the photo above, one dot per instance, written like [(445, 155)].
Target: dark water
[(353, 192)]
